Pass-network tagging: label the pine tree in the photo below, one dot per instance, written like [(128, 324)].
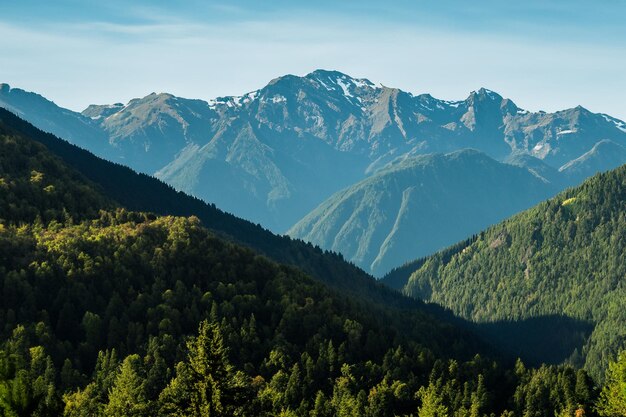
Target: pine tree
[(294, 387), (83, 403), (127, 397), (612, 401), (432, 405), (321, 406), (206, 384)]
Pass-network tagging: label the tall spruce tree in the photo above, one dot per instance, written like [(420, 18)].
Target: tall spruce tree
[(612, 401), (205, 384), (127, 397)]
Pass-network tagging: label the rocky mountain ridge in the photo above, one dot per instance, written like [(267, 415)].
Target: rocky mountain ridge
[(274, 154)]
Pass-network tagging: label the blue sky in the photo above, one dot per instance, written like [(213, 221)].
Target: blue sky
[(545, 55)]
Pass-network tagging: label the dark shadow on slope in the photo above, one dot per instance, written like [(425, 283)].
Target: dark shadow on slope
[(547, 339)]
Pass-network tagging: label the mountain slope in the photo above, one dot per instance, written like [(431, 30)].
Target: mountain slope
[(147, 133), (564, 256), (537, 167), (603, 156), (49, 117), (35, 187), (270, 183), (557, 138), (418, 205), (288, 146)]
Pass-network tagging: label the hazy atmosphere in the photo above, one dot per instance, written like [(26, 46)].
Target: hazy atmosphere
[(312, 209), (544, 55)]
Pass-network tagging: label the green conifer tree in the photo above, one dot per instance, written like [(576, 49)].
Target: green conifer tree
[(127, 397), (206, 384), (612, 401)]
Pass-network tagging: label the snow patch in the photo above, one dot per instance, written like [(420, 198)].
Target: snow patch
[(454, 104), (249, 97), (278, 99), (344, 87), (231, 102), (566, 132), (618, 123), (541, 150), (112, 106), (362, 83), (324, 85), (489, 93)]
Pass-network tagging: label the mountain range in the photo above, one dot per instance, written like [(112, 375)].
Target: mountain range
[(283, 155)]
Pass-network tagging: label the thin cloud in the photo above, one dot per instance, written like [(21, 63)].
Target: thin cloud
[(81, 63)]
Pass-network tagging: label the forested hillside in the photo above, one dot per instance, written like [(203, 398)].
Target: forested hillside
[(106, 311), (565, 256), (141, 192)]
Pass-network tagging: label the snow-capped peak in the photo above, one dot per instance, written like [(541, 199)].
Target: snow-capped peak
[(483, 94), (489, 93), (337, 81)]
